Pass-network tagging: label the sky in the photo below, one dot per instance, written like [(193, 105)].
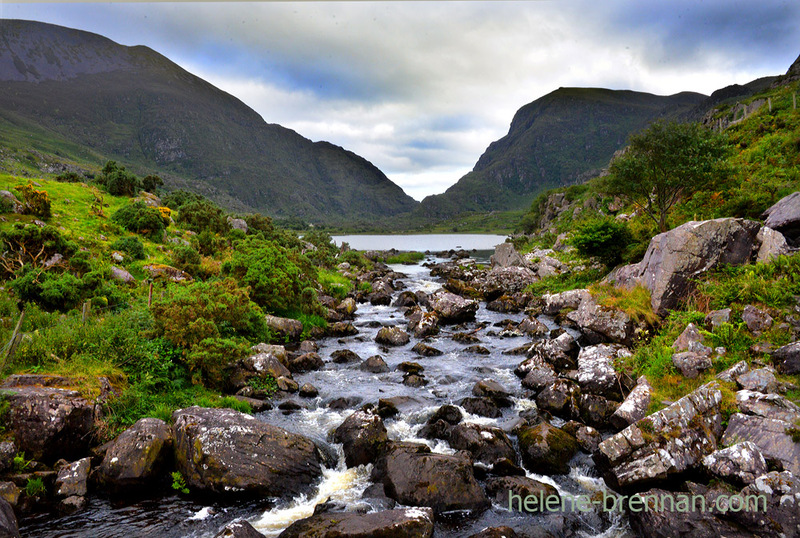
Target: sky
[(421, 89)]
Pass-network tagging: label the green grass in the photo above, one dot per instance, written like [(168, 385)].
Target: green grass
[(334, 284), (566, 281), (635, 302), (406, 258)]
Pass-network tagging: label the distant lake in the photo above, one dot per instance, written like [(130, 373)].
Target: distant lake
[(421, 242)]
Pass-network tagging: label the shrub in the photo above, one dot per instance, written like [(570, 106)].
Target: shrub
[(53, 291), (132, 246), (605, 239), (68, 177), (335, 284), (210, 356), (139, 218), (118, 181), (203, 215), (186, 258), (31, 246), (177, 199), (34, 202), (152, 183)]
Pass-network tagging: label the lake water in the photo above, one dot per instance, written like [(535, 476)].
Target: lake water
[(421, 242)]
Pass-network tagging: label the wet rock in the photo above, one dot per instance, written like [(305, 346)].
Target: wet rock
[(539, 374), (362, 435), (72, 504), (72, 478), (478, 350), (424, 325), (375, 365), (787, 358), (483, 407), (286, 384), (505, 255), (347, 308), (664, 444), (137, 457), (784, 217), (767, 405), (560, 352), (406, 298), (773, 244), (595, 410), (380, 298), (258, 405), (308, 391), (227, 452), (546, 449), (635, 405), (285, 327), (588, 438), (511, 491), (739, 464), (509, 303), (289, 406), (596, 373), (487, 444), (239, 529), (760, 380), (257, 366), (613, 325), (465, 338), (496, 532), (343, 356), (560, 398), (690, 364), (716, 318), (448, 413), (414, 380), (308, 362), (414, 476), (489, 388), (345, 402), (392, 336), (48, 422), (453, 308), (756, 320), (341, 329), (7, 452), (769, 435), (409, 367), (674, 259), (426, 350), (401, 523), (533, 327), (389, 407)]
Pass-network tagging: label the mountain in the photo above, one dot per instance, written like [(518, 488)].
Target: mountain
[(80, 91), (562, 138)]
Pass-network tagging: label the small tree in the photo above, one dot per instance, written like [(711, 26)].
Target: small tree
[(666, 162), (118, 181)]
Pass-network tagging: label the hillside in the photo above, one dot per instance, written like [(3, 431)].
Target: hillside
[(84, 98), (560, 139)]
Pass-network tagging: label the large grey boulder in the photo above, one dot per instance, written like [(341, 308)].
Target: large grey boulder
[(665, 444), (227, 452), (571, 299), (362, 435), (452, 308), (546, 449), (8, 521), (137, 457), (285, 327), (767, 406), (773, 244), (505, 255), (784, 217), (635, 405), (48, 422), (787, 358), (612, 324), (741, 463), (596, 373), (398, 523), (771, 436), (414, 476), (505, 280), (677, 257)]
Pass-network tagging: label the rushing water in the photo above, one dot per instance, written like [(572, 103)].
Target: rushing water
[(450, 378), (422, 242)]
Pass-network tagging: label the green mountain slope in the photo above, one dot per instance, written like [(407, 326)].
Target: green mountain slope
[(562, 138), (85, 96)]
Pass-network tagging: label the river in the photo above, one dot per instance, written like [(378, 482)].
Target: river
[(450, 378)]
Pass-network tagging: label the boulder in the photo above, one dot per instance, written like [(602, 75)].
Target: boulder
[(612, 324), (560, 398), (595, 410), (773, 244), (489, 388), (238, 529), (486, 444), (769, 435), (425, 350), (411, 522), (511, 491), (237, 224), (48, 423), (787, 358), (308, 362), (664, 444), (8, 521), (122, 275), (739, 464), (538, 374), (166, 272), (570, 300), (452, 308), (759, 380), (483, 407), (509, 303), (690, 364), (729, 375), (781, 517), (505, 255), (375, 365), (596, 373), (414, 476), (767, 406), (137, 457), (635, 405), (784, 217), (546, 449), (72, 478), (341, 329), (285, 327), (716, 318), (362, 436), (424, 325), (308, 391), (227, 452), (392, 336), (533, 327), (689, 339), (756, 320), (674, 259), (347, 308), (505, 280), (343, 356)]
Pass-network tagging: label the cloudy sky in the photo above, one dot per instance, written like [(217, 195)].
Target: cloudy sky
[(422, 88)]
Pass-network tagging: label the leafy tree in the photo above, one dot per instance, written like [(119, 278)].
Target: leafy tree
[(603, 238), (177, 199), (668, 162), (118, 181), (152, 183)]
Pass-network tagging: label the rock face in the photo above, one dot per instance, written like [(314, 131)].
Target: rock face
[(676, 257), (769, 435), (398, 523), (741, 463), (48, 423), (453, 308), (363, 436), (414, 476), (784, 217), (224, 451), (138, 456), (8, 521), (664, 444), (787, 358)]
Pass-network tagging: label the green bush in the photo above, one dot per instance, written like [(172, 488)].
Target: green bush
[(177, 199), (203, 215), (605, 239), (210, 357), (68, 177), (118, 181), (53, 291), (34, 201), (139, 218), (186, 258), (132, 246), (152, 183), (29, 246)]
